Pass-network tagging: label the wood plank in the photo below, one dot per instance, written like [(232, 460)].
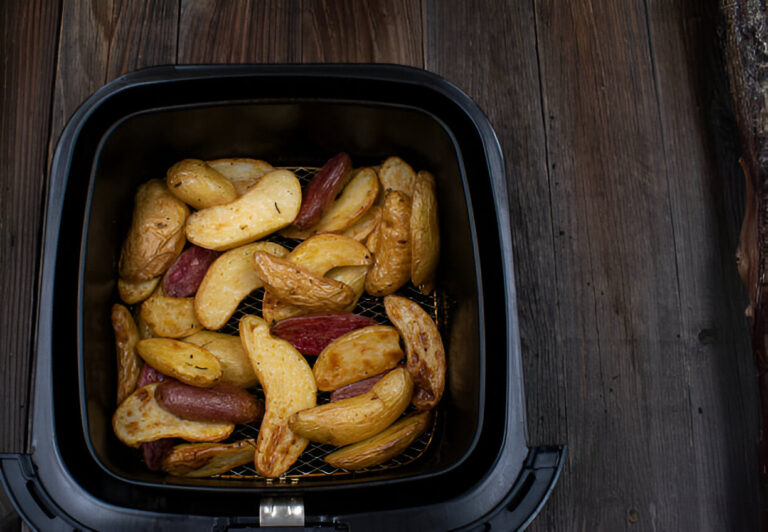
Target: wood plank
[(239, 31), (103, 39), (353, 31), (720, 371), (28, 33)]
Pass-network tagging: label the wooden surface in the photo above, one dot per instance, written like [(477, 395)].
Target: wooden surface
[(624, 196)]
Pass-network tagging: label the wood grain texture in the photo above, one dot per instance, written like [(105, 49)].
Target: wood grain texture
[(27, 48), (239, 31), (368, 31)]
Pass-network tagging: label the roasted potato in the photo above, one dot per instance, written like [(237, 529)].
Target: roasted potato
[(297, 286), (268, 206), (392, 265), (289, 386), (357, 355), (423, 348), (222, 402), (312, 333), (357, 388), (185, 275), (187, 362), (156, 236), (355, 200), (235, 366), (243, 173), (396, 174), (353, 277), (357, 418), (383, 446), (170, 317), (196, 460), (140, 419), (129, 362), (228, 281), (136, 292), (425, 233), (197, 184), (322, 189), (155, 451), (365, 225)]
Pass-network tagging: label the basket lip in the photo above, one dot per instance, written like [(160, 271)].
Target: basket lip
[(62, 160)]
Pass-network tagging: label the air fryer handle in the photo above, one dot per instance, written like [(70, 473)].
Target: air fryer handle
[(531, 490)]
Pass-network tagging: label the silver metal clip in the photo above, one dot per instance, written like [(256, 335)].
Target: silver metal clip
[(281, 511)]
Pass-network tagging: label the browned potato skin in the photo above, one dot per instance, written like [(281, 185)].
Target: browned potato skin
[(156, 236), (396, 174), (425, 233), (187, 362), (357, 418), (199, 185), (383, 446), (196, 460), (357, 355), (294, 285), (222, 402), (129, 362), (136, 292), (392, 254), (423, 348)]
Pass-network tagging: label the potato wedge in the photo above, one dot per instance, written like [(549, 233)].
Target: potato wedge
[(140, 419), (242, 172), (222, 402), (170, 317), (297, 286), (268, 206), (365, 225), (423, 348), (353, 277), (289, 386), (156, 236), (357, 418), (235, 366), (322, 189), (311, 334), (425, 233), (357, 355), (136, 292), (396, 174), (196, 460), (189, 363), (228, 281), (185, 275), (355, 200), (197, 184), (383, 446), (129, 362), (392, 266)]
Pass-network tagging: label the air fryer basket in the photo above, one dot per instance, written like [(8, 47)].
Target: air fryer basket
[(473, 461)]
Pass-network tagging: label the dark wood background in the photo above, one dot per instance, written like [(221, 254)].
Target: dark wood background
[(624, 193)]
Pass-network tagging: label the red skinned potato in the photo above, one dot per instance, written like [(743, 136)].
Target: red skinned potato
[(155, 451), (223, 402), (150, 375), (185, 275), (310, 334), (357, 388), (323, 189)]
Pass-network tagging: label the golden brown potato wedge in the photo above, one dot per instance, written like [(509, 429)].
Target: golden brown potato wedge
[(197, 184), (372, 241), (136, 292), (170, 317), (189, 363), (396, 174), (228, 281), (357, 355), (289, 386), (353, 277), (356, 418), (392, 266), (383, 446), (425, 233), (242, 172), (235, 365), (140, 419), (266, 207), (423, 348), (355, 200), (156, 236), (129, 362), (297, 286), (197, 460), (145, 331), (365, 225)]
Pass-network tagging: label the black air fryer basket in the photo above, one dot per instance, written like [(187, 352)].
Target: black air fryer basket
[(473, 467)]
